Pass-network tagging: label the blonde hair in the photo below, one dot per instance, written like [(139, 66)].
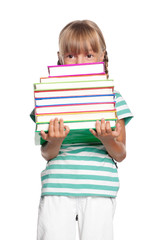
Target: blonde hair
[(78, 36)]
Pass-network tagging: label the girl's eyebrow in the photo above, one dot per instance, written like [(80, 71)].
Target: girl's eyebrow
[(90, 50)]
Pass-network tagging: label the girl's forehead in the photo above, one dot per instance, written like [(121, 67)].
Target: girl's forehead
[(80, 46)]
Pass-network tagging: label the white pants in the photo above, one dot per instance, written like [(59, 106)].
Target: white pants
[(57, 216)]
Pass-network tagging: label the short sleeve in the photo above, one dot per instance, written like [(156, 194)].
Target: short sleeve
[(32, 115), (123, 111), (38, 138)]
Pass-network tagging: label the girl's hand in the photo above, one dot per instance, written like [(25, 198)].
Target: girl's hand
[(104, 132), (57, 131), (113, 141)]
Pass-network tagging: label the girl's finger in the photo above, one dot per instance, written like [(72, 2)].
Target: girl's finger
[(93, 132), (67, 130), (107, 127), (61, 128), (98, 128), (56, 127), (117, 131), (118, 127), (51, 127), (102, 126), (43, 135)]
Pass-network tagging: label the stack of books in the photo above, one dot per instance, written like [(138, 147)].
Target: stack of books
[(80, 94)]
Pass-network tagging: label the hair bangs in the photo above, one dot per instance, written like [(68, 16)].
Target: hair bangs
[(79, 39)]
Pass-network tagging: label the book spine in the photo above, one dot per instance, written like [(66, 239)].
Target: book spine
[(73, 112), (78, 75), (71, 65), (103, 95), (80, 64), (73, 89), (74, 121), (61, 105), (78, 121), (81, 112)]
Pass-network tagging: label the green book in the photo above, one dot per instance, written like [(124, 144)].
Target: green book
[(75, 135), (73, 85)]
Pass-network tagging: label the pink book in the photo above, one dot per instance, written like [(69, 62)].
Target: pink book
[(88, 107), (73, 92), (85, 77), (76, 69)]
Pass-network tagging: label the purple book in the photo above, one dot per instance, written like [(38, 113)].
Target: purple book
[(76, 69)]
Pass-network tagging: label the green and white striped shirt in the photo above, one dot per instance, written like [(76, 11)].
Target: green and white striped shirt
[(84, 170)]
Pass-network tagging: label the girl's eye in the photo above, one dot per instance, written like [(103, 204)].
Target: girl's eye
[(89, 55), (70, 56)]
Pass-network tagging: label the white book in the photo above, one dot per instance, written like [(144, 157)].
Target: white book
[(75, 92), (82, 116), (75, 108)]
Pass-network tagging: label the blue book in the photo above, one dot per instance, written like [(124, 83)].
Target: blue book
[(74, 100)]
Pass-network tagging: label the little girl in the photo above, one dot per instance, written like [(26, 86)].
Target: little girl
[(81, 180)]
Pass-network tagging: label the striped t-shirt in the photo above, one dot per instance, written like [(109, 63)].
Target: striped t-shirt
[(85, 169)]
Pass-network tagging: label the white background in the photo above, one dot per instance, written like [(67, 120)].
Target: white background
[(29, 42)]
